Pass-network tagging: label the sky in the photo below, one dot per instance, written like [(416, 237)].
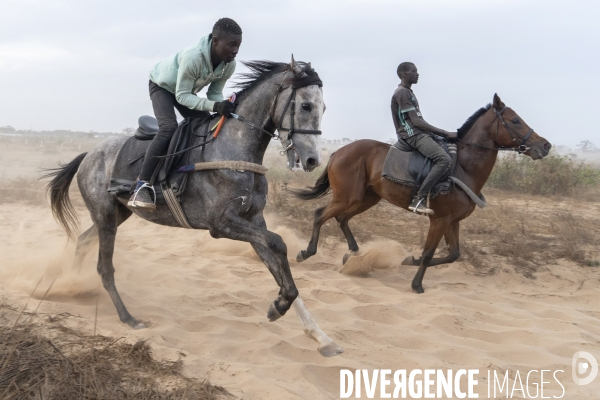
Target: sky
[(83, 64)]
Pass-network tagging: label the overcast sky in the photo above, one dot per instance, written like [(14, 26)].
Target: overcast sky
[(83, 64)]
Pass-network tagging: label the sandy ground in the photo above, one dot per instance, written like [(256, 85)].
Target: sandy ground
[(206, 300)]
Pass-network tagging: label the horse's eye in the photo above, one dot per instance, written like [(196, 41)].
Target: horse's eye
[(307, 107), (515, 120)]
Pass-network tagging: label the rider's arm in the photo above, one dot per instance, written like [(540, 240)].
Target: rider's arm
[(190, 68), (215, 90), (420, 123)]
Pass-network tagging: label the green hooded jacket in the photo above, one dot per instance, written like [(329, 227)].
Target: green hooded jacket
[(187, 72)]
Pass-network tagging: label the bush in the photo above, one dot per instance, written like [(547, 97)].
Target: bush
[(555, 174)]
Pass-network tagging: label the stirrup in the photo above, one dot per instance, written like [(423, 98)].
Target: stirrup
[(137, 190), (426, 211)]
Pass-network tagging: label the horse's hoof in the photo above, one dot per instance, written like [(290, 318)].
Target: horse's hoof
[(273, 314), (410, 260), (418, 289), (331, 350), (135, 324), (300, 257), (347, 257)]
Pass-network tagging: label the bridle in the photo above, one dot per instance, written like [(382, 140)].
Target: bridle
[(521, 148), (291, 101), (313, 80)]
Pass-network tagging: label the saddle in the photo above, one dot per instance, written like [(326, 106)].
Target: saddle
[(407, 166), (131, 156)]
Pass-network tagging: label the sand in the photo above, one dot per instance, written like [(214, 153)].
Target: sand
[(206, 300)]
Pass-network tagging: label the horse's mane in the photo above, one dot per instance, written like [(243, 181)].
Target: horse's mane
[(261, 70), (462, 131)]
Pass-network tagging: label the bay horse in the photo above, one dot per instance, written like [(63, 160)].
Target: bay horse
[(353, 175), (229, 203)]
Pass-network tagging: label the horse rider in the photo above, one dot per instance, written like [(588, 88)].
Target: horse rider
[(411, 127), (174, 83)]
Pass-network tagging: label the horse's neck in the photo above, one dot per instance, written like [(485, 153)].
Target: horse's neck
[(255, 106), (475, 164)]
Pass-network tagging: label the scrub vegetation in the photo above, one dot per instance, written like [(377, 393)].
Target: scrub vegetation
[(41, 358), (553, 175), (538, 213)]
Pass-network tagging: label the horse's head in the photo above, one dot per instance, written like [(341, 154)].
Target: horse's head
[(513, 132), (297, 115)]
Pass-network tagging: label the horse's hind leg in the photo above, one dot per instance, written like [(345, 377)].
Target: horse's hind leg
[(451, 237), (107, 232), (90, 237), (342, 209), (322, 214), (437, 229), (370, 199), (84, 243)]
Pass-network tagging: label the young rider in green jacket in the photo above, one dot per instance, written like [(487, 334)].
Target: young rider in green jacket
[(174, 83)]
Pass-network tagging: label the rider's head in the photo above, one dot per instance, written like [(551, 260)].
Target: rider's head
[(226, 39), (407, 72)]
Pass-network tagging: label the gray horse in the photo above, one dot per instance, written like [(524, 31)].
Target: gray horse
[(228, 203)]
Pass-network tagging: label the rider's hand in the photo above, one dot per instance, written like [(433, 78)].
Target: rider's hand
[(451, 135), (224, 107)]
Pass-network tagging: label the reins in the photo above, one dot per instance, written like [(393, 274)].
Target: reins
[(521, 148), (292, 130)]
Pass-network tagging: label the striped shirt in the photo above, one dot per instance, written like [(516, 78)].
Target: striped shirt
[(403, 101)]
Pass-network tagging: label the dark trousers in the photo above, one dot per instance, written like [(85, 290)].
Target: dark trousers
[(441, 160), (164, 105)]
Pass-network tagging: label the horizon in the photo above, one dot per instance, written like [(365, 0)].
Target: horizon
[(81, 66)]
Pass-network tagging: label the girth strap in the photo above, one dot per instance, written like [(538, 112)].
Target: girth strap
[(175, 207)]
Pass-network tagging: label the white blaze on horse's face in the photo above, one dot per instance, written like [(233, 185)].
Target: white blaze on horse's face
[(309, 112)]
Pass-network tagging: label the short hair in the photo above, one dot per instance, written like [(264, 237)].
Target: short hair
[(226, 26), (403, 67)]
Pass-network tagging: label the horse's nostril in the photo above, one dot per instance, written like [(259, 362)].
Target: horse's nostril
[(311, 162), (547, 146)]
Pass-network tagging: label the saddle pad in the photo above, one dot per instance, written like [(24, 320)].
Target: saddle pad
[(410, 168), (127, 169), (131, 157), (405, 167)]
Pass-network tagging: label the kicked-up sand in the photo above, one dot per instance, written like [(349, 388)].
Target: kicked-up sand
[(205, 301)]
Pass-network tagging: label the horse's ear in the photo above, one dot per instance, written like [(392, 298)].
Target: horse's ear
[(296, 69), (498, 104)]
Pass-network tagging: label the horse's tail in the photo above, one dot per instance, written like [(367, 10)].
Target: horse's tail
[(58, 189), (320, 189)]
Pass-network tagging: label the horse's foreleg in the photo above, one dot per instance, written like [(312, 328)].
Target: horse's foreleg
[(327, 347), (270, 248), (437, 228), (451, 237)]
